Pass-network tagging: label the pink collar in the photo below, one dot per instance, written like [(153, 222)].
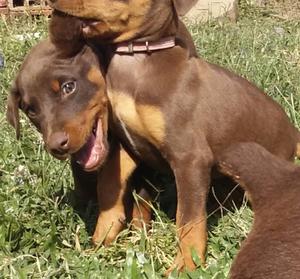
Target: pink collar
[(148, 46)]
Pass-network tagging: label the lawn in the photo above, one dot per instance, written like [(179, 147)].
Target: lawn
[(42, 236)]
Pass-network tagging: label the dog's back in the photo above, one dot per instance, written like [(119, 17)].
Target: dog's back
[(272, 249)]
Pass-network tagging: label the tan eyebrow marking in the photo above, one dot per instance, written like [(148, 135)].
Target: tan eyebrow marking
[(55, 86)]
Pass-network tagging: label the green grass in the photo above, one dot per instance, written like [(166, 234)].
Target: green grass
[(42, 236)]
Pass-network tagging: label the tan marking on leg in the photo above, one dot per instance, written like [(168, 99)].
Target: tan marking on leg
[(112, 188), (127, 166), (145, 120), (109, 224), (191, 236)]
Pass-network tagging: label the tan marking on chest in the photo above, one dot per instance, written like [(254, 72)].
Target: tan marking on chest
[(145, 120)]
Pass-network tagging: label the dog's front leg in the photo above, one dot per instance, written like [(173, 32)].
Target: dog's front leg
[(113, 191), (192, 173)]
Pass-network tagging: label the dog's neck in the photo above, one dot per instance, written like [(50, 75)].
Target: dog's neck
[(165, 24), (176, 34), (174, 29), (152, 37), (147, 46)]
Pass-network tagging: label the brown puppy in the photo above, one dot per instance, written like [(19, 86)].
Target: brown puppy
[(172, 110), (272, 248), (61, 88), (69, 111)]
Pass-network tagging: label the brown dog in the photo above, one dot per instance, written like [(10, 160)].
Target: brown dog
[(172, 110), (61, 89), (272, 249), (51, 91)]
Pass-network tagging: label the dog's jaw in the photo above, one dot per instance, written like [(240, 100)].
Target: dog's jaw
[(94, 151)]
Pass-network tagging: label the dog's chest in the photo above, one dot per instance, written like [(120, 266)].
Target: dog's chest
[(141, 129), (145, 121)]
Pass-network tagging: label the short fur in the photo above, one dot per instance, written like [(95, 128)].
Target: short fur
[(173, 110), (272, 248), (37, 91)]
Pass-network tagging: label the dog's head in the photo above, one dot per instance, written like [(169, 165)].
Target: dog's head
[(63, 94), (122, 20)]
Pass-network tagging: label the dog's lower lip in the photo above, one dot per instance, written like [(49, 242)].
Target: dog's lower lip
[(92, 168), (93, 152)]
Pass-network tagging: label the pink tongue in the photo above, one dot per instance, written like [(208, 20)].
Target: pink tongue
[(91, 153)]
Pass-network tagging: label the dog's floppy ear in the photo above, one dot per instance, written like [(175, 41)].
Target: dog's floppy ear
[(183, 6), (65, 33), (12, 112)]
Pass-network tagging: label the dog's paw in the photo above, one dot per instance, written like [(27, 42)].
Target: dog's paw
[(108, 228), (184, 261)]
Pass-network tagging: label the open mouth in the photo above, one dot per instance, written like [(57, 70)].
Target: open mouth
[(94, 151)]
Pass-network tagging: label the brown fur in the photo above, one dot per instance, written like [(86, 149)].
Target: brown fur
[(141, 214), (56, 115), (272, 248), (112, 196), (203, 108)]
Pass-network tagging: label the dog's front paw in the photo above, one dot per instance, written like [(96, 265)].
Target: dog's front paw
[(192, 243), (108, 227), (177, 265), (181, 262)]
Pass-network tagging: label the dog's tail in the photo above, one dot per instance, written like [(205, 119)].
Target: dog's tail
[(258, 171)]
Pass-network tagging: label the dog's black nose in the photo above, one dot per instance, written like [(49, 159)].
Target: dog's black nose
[(58, 143)]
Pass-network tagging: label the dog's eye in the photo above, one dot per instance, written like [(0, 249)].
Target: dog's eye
[(31, 112), (68, 87)]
